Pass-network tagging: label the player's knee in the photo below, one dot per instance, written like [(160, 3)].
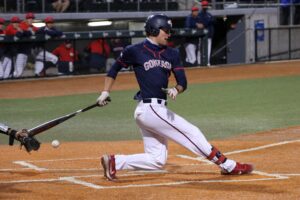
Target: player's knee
[(160, 164), (160, 161)]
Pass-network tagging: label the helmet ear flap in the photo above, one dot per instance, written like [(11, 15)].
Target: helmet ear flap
[(154, 32), (151, 30)]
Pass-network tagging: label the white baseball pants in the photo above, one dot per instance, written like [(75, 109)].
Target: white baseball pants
[(191, 49), (158, 124), (5, 68), (21, 61), (39, 64)]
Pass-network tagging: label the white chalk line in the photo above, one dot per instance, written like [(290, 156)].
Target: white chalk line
[(73, 180), (30, 166), (67, 159), (278, 176), (238, 151), (50, 170), (80, 182), (288, 174), (14, 169), (261, 147)]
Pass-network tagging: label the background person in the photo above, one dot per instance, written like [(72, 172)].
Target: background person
[(285, 12), (44, 55), (99, 51), (14, 29), (191, 45), (67, 56), (24, 49), (296, 12), (60, 5), (5, 60)]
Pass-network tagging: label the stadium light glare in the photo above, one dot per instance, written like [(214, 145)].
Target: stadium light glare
[(38, 24), (100, 23)]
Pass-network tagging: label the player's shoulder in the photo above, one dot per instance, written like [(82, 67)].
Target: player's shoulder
[(134, 47), (172, 51)]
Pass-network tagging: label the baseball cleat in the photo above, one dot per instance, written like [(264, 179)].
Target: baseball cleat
[(239, 169), (109, 167)]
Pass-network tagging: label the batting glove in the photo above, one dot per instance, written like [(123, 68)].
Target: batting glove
[(103, 98), (171, 92)]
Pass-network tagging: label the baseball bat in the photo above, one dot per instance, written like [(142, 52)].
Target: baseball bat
[(49, 124)]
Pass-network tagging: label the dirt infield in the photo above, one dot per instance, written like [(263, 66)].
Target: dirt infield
[(72, 171)]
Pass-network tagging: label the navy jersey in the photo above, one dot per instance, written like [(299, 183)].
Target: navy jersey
[(52, 32), (190, 21), (152, 65), (208, 21)]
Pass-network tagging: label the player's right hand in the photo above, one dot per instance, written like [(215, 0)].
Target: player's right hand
[(103, 99), (171, 92)]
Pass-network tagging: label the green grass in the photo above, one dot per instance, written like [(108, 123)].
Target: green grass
[(220, 110)]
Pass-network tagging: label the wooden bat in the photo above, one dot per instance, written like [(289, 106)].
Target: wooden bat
[(54, 122)]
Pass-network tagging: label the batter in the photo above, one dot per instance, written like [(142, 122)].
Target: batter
[(153, 63)]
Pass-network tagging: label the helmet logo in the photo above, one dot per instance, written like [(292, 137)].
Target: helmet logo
[(170, 22)]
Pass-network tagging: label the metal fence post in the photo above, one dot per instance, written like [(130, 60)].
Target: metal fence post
[(204, 48), (269, 56), (255, 46), (290, 53)]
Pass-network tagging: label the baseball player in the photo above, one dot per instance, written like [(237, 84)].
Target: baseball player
[(24, 48), (13, 29), (153, 62), (191, 45), (30, 143), (5, 60), (67, 56), (44, 55), (99, 52)]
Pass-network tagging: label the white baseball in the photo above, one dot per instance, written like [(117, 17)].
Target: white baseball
[(55, 143)]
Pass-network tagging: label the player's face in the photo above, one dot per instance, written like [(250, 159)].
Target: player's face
[(163, 36), (49, 25), (195, 13), (29, 21), (15, 25)]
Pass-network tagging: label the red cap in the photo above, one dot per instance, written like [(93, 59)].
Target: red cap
[(204, 4), (30, 16), (15, 19), (49, 19), (195, 8), (2, 21)]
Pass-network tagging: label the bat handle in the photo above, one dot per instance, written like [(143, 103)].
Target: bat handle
[(94, 105), (90, 107)]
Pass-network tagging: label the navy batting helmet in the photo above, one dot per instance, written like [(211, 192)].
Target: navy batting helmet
[(156, 22)]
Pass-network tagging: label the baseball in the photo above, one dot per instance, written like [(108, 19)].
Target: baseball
[(55, 143)]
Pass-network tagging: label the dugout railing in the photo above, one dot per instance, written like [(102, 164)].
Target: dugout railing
[(80, 41), (273, 44)]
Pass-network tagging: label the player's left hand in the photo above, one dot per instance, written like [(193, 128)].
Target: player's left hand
[(103, 99), (171, 92)]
